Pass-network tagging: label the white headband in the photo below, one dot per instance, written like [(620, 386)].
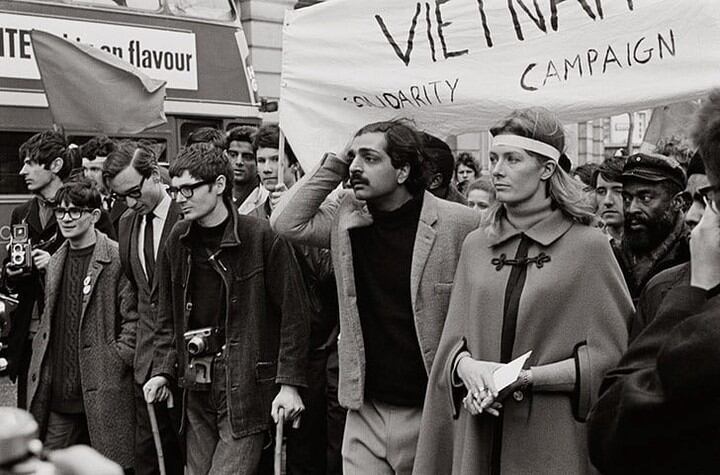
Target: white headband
[(530, 145)]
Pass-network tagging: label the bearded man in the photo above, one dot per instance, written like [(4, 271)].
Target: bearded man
[(655, 235)]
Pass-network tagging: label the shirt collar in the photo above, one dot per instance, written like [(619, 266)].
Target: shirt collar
[(161, 210)]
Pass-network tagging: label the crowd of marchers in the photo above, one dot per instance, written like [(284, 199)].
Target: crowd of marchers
[(175, 315)]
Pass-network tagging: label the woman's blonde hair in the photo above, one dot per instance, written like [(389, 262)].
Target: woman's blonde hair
[(566, 193)]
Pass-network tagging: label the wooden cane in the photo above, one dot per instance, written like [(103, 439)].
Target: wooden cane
[(279, 441), (156, 437)]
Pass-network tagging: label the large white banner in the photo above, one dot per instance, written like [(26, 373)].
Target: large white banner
[(161, 54), (458, 66)]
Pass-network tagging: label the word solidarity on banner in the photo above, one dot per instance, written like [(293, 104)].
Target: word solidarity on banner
[(459, 66)]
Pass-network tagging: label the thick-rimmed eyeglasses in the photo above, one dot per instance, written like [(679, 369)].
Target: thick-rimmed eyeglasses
[(134, 193), (73, 212), (186, 190)]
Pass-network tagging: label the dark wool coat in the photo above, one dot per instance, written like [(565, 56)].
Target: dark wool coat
[(573, 305), (659, 410), (106, 351)]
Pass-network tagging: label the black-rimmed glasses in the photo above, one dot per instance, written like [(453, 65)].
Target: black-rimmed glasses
[(186, 190), (73, 212), (134, 193)]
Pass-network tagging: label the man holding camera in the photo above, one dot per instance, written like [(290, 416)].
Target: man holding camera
[(44, 168), (131, 172), (232, 320)]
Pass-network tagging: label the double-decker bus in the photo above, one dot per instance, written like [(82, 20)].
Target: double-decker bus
[(197, 46)]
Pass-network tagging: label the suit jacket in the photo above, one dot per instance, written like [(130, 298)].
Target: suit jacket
[(306, 217), (116, 212), (106, 347), (30, 288), (146, 292)]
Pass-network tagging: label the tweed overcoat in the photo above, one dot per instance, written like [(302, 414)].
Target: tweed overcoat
[(574, 305), (306, 217), (106, 351)]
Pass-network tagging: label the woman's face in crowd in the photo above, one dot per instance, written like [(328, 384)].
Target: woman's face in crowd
[(465, 173), (516, 176), (479, 199)]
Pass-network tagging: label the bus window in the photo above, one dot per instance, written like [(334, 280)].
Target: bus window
[(11, 182), (189, 126), (208, 9)]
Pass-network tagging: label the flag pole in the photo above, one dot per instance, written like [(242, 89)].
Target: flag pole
[(281, 160)]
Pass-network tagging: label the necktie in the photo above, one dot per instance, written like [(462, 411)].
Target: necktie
[(149, 247)]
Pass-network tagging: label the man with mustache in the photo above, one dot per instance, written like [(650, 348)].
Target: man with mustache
[(655, 236), (394, 248), (608, 195)]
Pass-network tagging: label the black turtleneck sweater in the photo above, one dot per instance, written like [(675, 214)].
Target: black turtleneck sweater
[(207, 289), (382, 258)]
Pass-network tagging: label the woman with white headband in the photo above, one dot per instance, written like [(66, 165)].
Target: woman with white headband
[(535, 277)]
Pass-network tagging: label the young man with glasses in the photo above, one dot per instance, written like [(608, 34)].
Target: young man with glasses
[(131, 172), (80, 386), (45, 166), (232, 324)]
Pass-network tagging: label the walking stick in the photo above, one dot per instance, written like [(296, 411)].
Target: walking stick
[(156, 437), (279, 442)]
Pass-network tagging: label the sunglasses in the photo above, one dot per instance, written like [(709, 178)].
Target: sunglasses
[(73, 212), (186, 190), (134, 193)]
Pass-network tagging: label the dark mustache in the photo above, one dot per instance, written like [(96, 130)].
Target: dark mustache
[(357, 179)]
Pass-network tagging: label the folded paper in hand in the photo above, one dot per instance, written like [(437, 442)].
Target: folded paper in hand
[(508, 373)]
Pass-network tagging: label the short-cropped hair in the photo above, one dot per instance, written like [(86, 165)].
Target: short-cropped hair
[(438, 157), (80, 192), (205, 162)]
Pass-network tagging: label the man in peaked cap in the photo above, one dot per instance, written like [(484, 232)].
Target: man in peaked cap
[(655, 236)]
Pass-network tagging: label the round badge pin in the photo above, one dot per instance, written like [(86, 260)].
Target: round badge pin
[(86, 289)]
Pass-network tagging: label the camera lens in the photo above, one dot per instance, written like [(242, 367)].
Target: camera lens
[(196, 345)]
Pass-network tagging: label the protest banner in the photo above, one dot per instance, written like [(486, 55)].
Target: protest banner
[(456, 66)]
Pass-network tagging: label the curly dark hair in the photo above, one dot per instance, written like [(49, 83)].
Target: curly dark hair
[(404, 145), (610, 169), (98, 146)]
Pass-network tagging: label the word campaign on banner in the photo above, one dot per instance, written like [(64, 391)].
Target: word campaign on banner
[(457, 66)]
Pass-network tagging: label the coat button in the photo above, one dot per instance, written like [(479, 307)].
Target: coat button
[(44, 336), (518, 396), (188, 306), (34, 378)]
